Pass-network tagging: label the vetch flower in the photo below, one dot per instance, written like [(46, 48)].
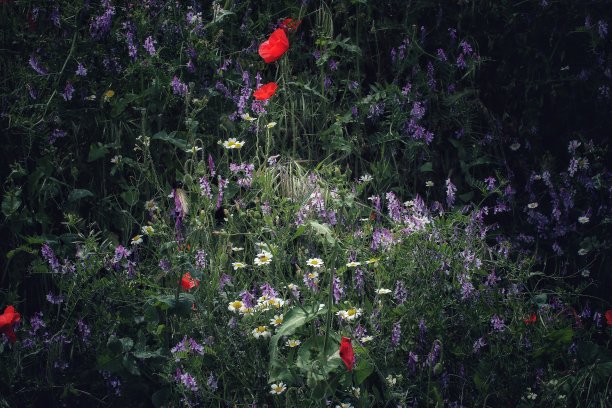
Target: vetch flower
[(293, 343), (275, 46), (8, 319), (188, 282), (315, 262), (346, 353), (278, 389), (261, 331), (266, 91)]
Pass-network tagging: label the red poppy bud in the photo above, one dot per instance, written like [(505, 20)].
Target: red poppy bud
[(531, 319), (290, 25), (275, 46), (187, 282), (346, 353), (7, 320), (609, 317), (265, 91)]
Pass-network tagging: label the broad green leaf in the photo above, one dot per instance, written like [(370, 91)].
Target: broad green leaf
[(97, 151), (78, 194)]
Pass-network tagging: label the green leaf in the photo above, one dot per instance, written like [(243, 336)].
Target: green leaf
[(427, 167), (97, 151), (180, 143), (11, 202), (78, 194), (363, 370), (130, 196)]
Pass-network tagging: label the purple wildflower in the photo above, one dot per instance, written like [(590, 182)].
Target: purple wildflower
[(81, 70), (200, 259), (84, 330), (224, 280), (211, 382), (49, 256), (100, 25), (55, 300), (149, 45), (478, 344), (396, 334), (400, 294), (36, 65), (450, 193), (68, 91), (338, 289), (358, 282), (187, 380), (413, 360), (178, 87), (497, 323), (165, 265)]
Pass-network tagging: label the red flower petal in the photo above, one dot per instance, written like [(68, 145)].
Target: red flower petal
[(609, 317), (7, 320), (265, 91), (275, 46), (531, 319), (346, 353), (187, 282), (290, 25)]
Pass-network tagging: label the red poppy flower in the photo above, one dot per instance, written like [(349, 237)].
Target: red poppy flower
[(265, 91), (346, 353), (531, 319), (7, 320), (609, 317), (290, 25), (187, 282), (275, 46)]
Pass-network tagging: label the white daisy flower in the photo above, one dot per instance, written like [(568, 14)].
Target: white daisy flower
[(235, 306), (293, 343), (515, 146), (584, 219), (353, 264), (366, 339), (193, 150), (372, 261), (315, 262), (238, 265), (271, 125), (261, 331), (233, 143), (247, 117), (277, 320), (263, 258), (349, 314), (383, 291), (532, 205), (278, 389), (137, 239), (151, 206), (148, 230)]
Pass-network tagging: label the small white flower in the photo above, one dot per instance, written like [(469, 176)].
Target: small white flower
[(193, 150), (148, 230), (583, 251), (353, 264), (366, 178), (237, 249), (137, 239), (232, 143), (429, 183), (356, 392), (271, 125), (349, 314), (584, 219), (293, 343), (315, 262), (151, 206), (586, 273), (263, 258), (247, 117), (383, 291), (372, 261), (277, 320), (116, 159), (235, 306), (238, 265), (391, 380), (278, 389), (515, 146), (344, 405), (532, 205), (366, 339), (292, 286), (261, 331)]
